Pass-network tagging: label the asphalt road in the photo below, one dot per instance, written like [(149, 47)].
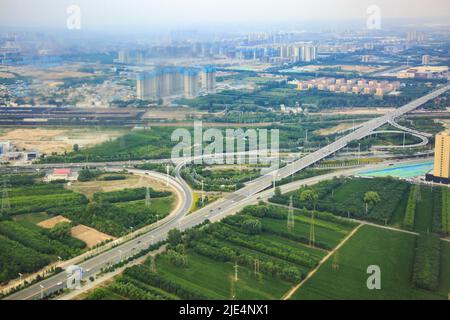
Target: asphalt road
[(121, 252), (220, 208)]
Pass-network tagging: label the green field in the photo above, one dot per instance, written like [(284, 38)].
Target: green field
[(345, 197), (392, 251), (269, 258), (26, 247)]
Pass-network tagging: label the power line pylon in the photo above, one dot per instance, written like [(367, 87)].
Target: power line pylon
[(147, 197), (152, 264), (312, 232), (290, 219), (232, 288), (256, 271), (5, 196)]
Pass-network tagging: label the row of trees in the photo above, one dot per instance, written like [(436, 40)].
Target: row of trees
[(145, 275), (226, 233), (446, 211), (216, 250), (427, 262), (15, 258), (129, 195), (408, 219)]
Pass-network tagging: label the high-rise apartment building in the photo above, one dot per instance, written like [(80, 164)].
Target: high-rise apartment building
[(175, 82), (441, 172), (191, 83), (208, 79), (426, 60), (442, 155)]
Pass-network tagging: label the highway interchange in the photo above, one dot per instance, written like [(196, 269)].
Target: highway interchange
[(254, 191)]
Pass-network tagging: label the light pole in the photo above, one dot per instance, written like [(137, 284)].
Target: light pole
[(203, 196), (167, 176), (359, 154), (42, 291)]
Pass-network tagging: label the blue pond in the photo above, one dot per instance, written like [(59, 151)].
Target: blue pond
[(405, 171)]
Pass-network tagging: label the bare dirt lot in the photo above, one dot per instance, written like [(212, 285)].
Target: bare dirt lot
[(50, 223), (88, 235), (51, 73), (355, 111), (48, 140), (333, 130), (6, 75), (132, 181)]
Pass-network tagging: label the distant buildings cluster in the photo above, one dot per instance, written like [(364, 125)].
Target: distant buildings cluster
[(279, 54), (169, 82), (424, 72), (7, 153), (415, 36), (352, 86)]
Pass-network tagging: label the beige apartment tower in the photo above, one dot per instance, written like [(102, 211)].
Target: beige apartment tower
[(442, 156)]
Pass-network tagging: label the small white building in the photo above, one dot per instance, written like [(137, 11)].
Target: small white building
[(62, 174)]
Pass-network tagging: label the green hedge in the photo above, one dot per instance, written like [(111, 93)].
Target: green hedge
[(427, 262), (408, 220)]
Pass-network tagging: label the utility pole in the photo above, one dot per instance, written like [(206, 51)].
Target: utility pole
[(203, 195), (274, 180), (359, 154), (256, 271), (312, 232), (5, 196), (290, 220), (147, 197), (167, 175), (232, 289), (152, 264), (306, 136), (404, 137)]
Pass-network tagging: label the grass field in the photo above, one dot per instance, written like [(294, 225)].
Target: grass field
[(215, 279), (30, 244), (392, 251), (269, 262)]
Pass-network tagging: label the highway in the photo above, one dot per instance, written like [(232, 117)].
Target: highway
[(217, 210), (121, 252)]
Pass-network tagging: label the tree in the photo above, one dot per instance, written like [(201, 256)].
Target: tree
[(252, 226), (371, 198), (174, 237), (310, 196), (60, 230), (277, 192), (76, 148)]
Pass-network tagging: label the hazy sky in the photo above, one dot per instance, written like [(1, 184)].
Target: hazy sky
[(96, 14)]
